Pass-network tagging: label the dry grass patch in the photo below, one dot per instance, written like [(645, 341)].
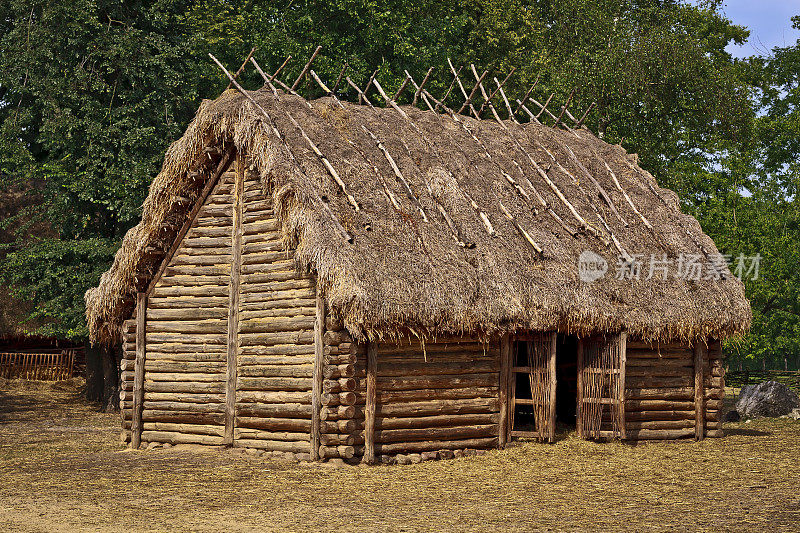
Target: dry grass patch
[(63, 469)]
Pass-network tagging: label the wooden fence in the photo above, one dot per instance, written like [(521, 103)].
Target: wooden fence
[(41, 366), (740, 378)]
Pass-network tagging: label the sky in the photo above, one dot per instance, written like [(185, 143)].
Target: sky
[(768, 21)]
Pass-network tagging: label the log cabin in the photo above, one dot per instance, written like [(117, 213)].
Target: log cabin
[(353, 281)]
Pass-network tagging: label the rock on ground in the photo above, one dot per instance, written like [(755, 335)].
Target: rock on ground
[(769, 399)]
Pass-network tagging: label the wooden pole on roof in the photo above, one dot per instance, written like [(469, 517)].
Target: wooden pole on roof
[(285, 62), (468, 101), (241, 69), (362, 94), (564, 108), (400, 90), (585, 114), (277, 134), (339, 79), (450, 88), (527, 94), (303, 72), (511, 116), (420, 86)]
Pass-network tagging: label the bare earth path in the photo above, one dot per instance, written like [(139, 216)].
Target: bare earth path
[(62, 469)]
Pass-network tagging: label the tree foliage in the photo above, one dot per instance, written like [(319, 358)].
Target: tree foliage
[(92, 92)]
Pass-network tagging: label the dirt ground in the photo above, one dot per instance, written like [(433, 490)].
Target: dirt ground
[(62, 468)]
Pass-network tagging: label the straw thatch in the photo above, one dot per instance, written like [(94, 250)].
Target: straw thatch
[(402, 275)]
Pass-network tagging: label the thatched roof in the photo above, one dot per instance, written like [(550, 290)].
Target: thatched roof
[(401, 274)]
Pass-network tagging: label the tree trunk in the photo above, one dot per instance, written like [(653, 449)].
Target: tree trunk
[(102, 375)]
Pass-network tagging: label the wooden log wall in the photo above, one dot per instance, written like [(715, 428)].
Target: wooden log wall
[(660, 391), (277, 309), (186, 330), (126, 377), (443, 396), (343, 394)]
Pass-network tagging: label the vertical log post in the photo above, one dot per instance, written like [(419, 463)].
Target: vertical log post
[(371, 400), (505, 370), (699, 391), (316, 386), (579, 407), (233, 305), (138, 376), (623, 362), (551, 363)]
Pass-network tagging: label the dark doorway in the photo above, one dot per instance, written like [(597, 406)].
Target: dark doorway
[(566, 379)]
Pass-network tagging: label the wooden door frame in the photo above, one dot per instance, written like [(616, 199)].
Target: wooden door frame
[(507, 392)]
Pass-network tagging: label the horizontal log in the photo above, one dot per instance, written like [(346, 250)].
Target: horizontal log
[(209, 232), (650, 362), (336, 439), (204, 290), (246, 396), (659, 415), (632, 405), (257, 434), (275, 324), (264, 370), (274, 410), (658, 382), (658, 434), (247, 299), (194, 353), (194, 338), (338, 371), (194, 387), (193, 407), (182, 397), (186, 259), (184, 377), (334, 338), (187, 313), (183, 417), (347, 359), (194, 281), (189, 367), (250, 255), (187, 327), (273, 384), (426, 434), (274, 286), (259, 278), (436, 368), (303, 302), (437, 382), (296, 425), (387, 397), (438, 407), (271, 339), (439, 421), (193, 429), (340, 385), (339, 412), (658, 424), (659, 372), (173, 437), (195, 302), (279, 353), (285, 312), (427, 446), (340, 398), (344, 426), (273, 445), (263, 226), (286, 264), (663, 354), (345, 452)]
